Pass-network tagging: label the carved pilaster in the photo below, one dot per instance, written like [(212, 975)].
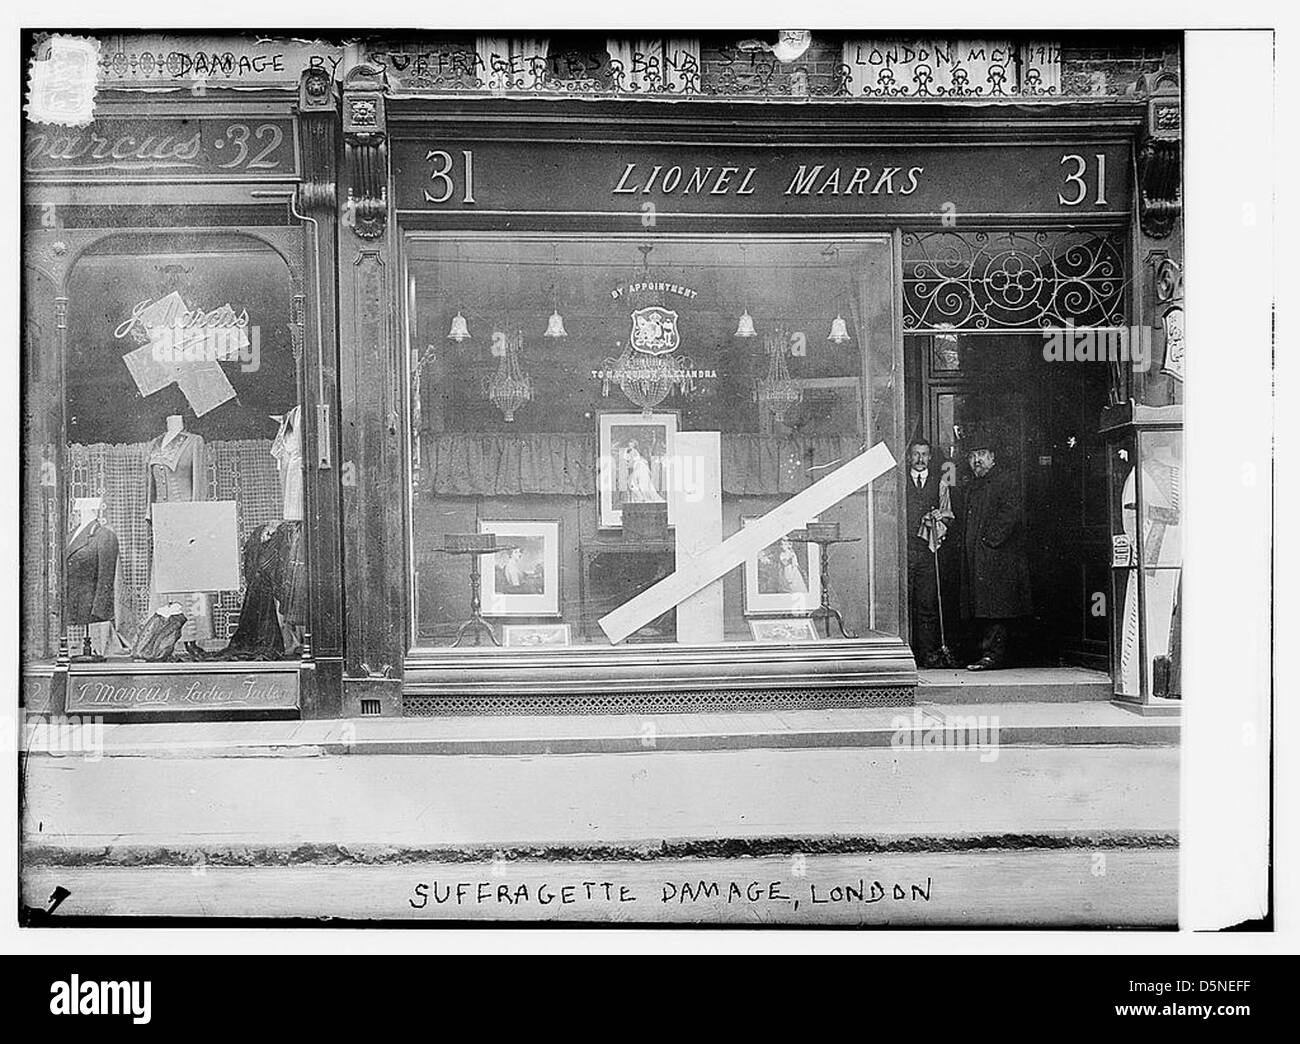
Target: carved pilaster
[(314, 333), (365, 150)]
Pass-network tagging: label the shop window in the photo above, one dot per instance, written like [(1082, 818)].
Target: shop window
[(184, 487), (585, 409)]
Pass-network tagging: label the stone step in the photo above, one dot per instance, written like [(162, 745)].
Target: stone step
[(1014, 685)]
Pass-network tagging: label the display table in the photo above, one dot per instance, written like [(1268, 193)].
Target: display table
[(477, 624), (825, 611)]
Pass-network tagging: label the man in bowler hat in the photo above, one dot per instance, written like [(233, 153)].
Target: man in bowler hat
[(995, 572)]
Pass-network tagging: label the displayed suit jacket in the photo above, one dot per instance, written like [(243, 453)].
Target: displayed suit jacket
[(90, 575), (177, 471)]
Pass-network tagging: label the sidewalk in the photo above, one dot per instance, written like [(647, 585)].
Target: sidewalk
[(1020, 723), (387, 806), (284, 819)]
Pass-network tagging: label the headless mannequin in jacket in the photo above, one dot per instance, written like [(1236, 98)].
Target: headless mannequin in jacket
[(177, 469), (90, 579)]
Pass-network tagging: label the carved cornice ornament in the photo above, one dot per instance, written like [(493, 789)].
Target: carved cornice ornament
[(1159, 156), (318, 115), (365, 151)]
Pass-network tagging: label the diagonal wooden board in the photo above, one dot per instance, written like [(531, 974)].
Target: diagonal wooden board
[(706, 568)]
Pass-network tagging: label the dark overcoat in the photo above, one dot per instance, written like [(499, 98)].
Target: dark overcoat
[(995, 572)]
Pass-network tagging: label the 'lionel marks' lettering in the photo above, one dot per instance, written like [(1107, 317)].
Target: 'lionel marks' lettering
[(818, 180), (718, 180), (810, 179)]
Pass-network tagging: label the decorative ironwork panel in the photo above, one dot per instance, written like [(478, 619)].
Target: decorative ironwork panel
[(1012, 280)]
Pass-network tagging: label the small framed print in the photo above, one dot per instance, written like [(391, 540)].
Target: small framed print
[(635, 462), (784, 578), (523, 578), (793, 629), (535, 636)]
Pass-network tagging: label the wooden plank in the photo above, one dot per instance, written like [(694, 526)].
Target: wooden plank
[(706, 568), (695, 496)]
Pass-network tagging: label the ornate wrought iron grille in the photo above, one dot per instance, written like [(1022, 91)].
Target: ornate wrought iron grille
[(1012, 280)]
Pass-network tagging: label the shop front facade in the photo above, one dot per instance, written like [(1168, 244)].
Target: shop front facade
[(393, 391)]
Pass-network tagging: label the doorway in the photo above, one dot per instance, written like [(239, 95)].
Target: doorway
[(1043, 416)]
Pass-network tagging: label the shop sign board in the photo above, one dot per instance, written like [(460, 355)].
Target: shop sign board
[(183, 148), (952, 182), (182, 691)]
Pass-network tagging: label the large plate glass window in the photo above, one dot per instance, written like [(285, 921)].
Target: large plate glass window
[(586, 411), (184, 486)]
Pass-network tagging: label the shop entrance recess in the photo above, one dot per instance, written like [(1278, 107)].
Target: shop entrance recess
[(981, 310)]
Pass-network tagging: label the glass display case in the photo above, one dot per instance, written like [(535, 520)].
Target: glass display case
[(588, 412), (1145, 473)]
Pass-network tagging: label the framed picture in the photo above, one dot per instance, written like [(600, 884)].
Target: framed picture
[(534, 636), (783, 579), (795, 629), (522, 579), (635, 462)]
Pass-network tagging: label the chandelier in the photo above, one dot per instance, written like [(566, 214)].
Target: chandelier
[(778, 391), (510, 388), (647, 380)]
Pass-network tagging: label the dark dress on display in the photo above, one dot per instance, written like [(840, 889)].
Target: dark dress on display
[(275, 575)]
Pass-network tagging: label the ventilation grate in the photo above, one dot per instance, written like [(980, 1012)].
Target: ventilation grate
[(691, 702)]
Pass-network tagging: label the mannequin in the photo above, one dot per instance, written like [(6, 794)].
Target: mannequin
[(177, 466), (177, 470), (287, 451), (90, 576), (291, 585)]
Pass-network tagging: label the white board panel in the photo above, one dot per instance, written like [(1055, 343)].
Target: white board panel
[(821, 496)]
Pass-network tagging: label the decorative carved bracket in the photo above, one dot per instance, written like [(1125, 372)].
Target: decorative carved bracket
[(1159, 158), (318, 117), (365, 147)]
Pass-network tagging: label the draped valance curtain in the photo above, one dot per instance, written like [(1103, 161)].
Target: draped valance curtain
[(500, 465)]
